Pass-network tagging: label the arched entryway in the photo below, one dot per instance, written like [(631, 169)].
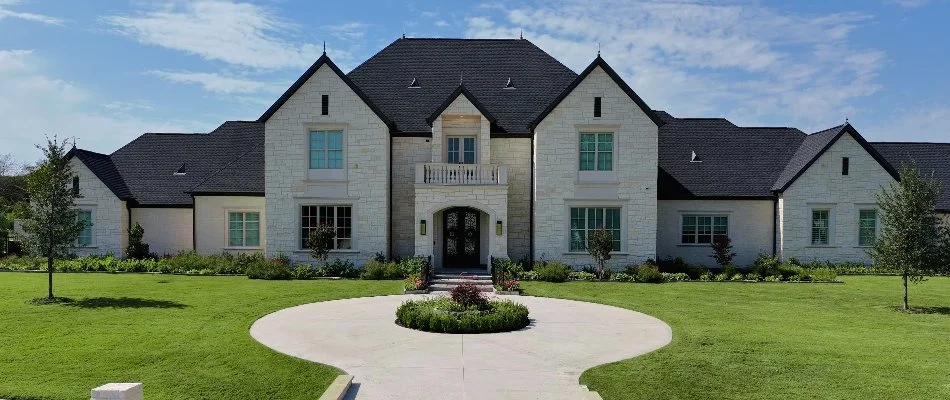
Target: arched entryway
[(461, 237)]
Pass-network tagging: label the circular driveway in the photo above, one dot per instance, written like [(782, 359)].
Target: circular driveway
[(541, 361)]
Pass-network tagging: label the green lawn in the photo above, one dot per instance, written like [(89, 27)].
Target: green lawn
[(779, 341), (185, 337)]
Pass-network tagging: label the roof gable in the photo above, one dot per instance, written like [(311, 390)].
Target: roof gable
[(599, 62), (815, 145), (323, 60), (460, 91), (102, 167)]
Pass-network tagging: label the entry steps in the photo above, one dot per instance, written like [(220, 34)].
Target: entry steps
[(444, 282)]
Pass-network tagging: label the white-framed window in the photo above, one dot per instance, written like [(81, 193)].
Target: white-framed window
[(585, 220), (326, 149), (340, 218), (86, 236), (460, 149), (244, 229), (820, 227), (596, 151), (867, 227), (703, 229)]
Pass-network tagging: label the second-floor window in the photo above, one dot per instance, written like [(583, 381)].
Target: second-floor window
[(326, 150), (460, 150), (597, 152)]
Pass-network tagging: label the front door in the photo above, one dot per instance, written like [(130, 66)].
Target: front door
[(461, 238)]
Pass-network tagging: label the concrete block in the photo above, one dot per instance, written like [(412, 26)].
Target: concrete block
[(118, 391)]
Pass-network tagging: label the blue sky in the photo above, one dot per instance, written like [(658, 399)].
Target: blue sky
[(106, 71)]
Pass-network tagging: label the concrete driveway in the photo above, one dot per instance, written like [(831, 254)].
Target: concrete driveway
[(542, 361)]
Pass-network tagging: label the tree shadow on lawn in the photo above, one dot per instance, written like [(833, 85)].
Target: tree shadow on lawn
[(123, 302), (930, 310)]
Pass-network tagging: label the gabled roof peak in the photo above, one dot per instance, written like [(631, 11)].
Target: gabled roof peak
[(461, 90)]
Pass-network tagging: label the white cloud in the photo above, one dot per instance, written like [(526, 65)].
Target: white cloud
[(33, 104), (240, 34), (927, 123), (348, 31), (218, 83), (441, 23), (748, 62), (909, 3), (6, 12)]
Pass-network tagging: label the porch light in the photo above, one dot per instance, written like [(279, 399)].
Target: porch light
[(422, 227), (498, 226)]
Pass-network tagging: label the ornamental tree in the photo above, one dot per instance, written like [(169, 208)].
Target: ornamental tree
[(599, 245), (722, 250), (50, 222), (320, 242), (912, 239)]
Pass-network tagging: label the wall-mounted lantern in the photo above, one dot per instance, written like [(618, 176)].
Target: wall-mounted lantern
[(498, 227), (422, 227)]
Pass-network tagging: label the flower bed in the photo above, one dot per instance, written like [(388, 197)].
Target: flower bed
[(466, 311)]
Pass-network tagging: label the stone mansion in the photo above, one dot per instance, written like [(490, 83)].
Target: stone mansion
[(466, 149)]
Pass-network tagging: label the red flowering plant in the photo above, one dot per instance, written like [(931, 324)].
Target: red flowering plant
[(510, 285), (467, 295), (413, 282)]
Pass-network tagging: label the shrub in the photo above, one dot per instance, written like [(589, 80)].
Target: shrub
[(773, 278), (722, 250), (737, 277), (413, 282), (445, 316), (137, 249), (623, 277), (649, 274), (269, 270), (679, 277), (721, 277), (678, 265), (787, 271), (552, 271), (413, 265), (730, 270), (467, 295), (822, 274), (706, 276), (320, 242), (503, 269), (510, 285), (765, 265), (339, 268), (528, 275), (603, 275), (375, 270), (305, 271), (582, 276)]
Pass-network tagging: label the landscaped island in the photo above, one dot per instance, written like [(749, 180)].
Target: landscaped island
[(466, 311)]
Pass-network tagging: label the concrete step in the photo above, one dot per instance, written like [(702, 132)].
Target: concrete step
[(447, 287), (455, 279)]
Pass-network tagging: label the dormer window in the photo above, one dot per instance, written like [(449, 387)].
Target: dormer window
[(509, 85), (414, 84)]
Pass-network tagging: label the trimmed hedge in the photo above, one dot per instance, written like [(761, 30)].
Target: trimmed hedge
[(443, 315)]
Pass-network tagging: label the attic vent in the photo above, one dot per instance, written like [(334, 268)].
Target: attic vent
[(695, 158), (180, 171), (414, 84), (509, 85)]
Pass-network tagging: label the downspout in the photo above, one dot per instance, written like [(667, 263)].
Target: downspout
[(194, 220), (531, 207), (389, 227), (775, 226)]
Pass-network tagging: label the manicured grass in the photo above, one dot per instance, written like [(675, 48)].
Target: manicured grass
[(778, 341), (184, 337)]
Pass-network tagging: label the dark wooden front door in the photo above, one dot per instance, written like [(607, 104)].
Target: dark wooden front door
[(460, 237)]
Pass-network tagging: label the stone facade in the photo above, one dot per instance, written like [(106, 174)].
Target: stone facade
[(168, 231), (362, 184), (515, 154), (211, 222), (823, 187), (407, 152), (631, 185), (491, 200), (110, 215), (750, 229)]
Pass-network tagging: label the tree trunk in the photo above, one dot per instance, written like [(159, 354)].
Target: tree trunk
[(49, 269), (905, 306)]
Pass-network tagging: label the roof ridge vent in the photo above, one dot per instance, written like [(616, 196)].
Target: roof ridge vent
[(695, 157), (414, 84), (509, 84)]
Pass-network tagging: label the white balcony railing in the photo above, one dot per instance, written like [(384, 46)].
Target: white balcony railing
[(461, 174)]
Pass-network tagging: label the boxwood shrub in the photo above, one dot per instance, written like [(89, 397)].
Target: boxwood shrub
[(443, 315)]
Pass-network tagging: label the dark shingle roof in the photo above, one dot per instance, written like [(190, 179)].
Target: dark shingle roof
[(930, 158), (736, 162), (101, 165), (483, 65), (148, 163)]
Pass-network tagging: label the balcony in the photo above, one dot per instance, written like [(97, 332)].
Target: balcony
[(461, 174)]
